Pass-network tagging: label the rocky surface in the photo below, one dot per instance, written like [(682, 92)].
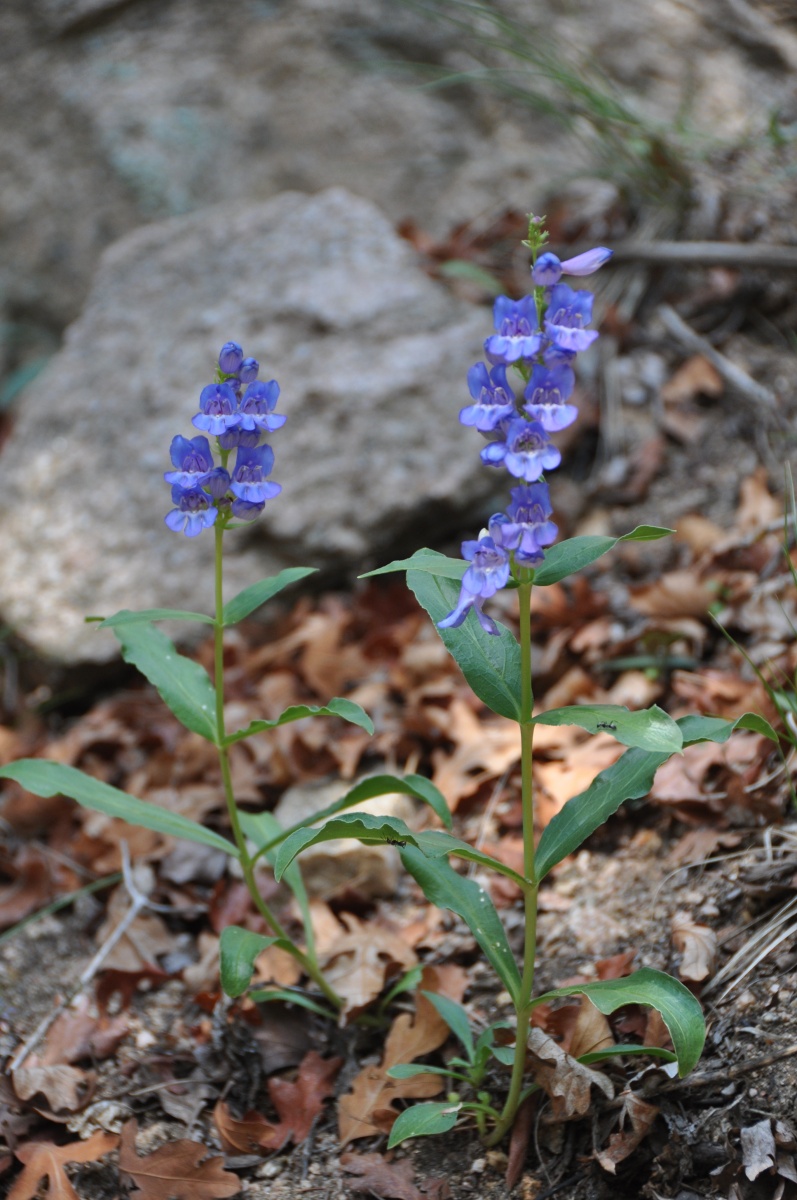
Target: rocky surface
[(371, 356)]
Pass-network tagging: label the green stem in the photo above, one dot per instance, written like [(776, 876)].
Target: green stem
[(530, 894), (247, 862)]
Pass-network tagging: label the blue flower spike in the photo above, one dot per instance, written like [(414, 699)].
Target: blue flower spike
[(538, 337)]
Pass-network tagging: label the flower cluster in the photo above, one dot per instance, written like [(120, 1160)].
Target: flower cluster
[(537, 337), (204, 491)]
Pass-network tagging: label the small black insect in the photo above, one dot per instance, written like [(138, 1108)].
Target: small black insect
[(606, 725), (395, 842)]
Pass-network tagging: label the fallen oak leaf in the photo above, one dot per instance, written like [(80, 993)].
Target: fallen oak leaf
[(66, 1089), (697, 945), (179, 1170), (567, 1082), (641, 1116), (378, 1177), (240, 1135), (45, 1160)]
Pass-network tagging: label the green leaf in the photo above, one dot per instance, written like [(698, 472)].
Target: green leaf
[(45, 778), (717, 729), (365, 828), (455, 1018), (489, 662), (649, 729), (238, 949), (624, 1049), (434, 844), (429, 561), (680, 1010), (262, 829), (421, 1120), (252, 597), (630, 778), (567, 557), (377, 785), (181, 683), (288, 996), (410, 1070), (442, 886), (126, 616), (337, 707)]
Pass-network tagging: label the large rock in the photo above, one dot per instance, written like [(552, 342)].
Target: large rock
[(371, 357)]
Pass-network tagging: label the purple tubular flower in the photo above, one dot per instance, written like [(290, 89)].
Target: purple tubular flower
[(218, 413), (495, 400), (568, 312), (488, 573), (193, 461), (587, 263), (547, 270), (546, 395), (247, 372), (193, 512), (525, 452), (517, 336), (257, 408), (525, 527), (244, 510), (230, 358), (217, 483), (249, 482), (555, 356)]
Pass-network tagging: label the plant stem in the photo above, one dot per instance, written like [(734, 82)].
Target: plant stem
[(530, 893), (247, 863)]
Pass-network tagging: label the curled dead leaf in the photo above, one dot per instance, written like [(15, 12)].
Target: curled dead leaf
[(697, 945), (638, 1116), (567, 1082), (44, 1160), (65, 1088)]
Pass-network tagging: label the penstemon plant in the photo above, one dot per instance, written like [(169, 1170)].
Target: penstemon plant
[(223, 496)]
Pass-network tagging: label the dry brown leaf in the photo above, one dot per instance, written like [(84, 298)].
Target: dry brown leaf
[(273, 965), (759, 1152), (591, 1031), (697, 945), (565, 1081), (485, 749), (757, 507), (695, 377), (76, 1034), (32, 886), (241, 1135), (676, 594), (361, 960), (144, 940), (179, 1170), (368, 1107), (44, 1160), (375, 1175), (700, 534), (298, 1102), (617, 966), (640, 1115), (66, 1089)]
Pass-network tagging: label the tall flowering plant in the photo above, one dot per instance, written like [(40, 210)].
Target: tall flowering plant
[(521, 397)]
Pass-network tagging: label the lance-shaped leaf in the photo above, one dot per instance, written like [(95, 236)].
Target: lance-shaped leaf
[(680, 1010), (127, 616), (489, 662), (421, 1120), (429, 561), (565, 558), (252, 597), (367, 789), (373, 830), (443, 887), (337, 707), (717, 729), (182, 684), (630, 778), (45, 778), (648, 729)]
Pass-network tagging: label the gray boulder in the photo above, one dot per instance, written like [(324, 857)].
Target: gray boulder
[(371, 356)]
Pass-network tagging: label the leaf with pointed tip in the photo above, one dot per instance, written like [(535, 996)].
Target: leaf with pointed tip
[(264, 831), (127, 616), (443, 887), (456, 1018), (252, 597), (716, 729), (422, 1120), (45, 778), (565, 558), (679, 1009), (648, 729), (430, 561), (238, 949), (337, 707), (182, 684)]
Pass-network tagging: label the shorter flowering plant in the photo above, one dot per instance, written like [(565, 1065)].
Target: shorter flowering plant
[(212, 490)]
